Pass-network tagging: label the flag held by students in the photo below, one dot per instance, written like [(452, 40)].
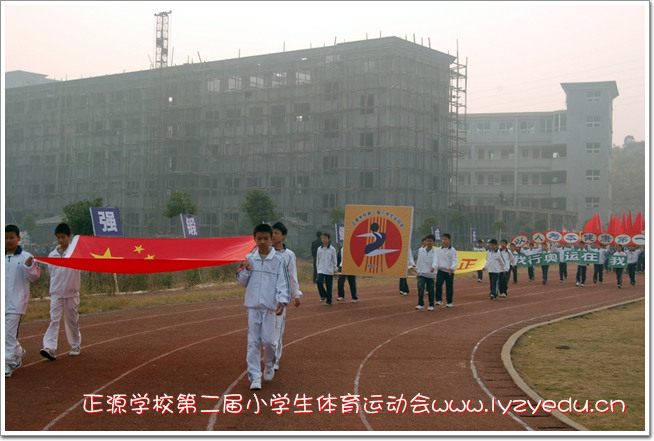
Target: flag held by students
[(139, 256)]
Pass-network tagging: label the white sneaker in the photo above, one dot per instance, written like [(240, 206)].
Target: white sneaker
[(340, 299), (355, 300), (276, 367), (439, 303), (48, 353), (419, 307), (255, 385), (268, 373), (75, 351), (7, 370), (449, 305), (431, 308), (502, 294)]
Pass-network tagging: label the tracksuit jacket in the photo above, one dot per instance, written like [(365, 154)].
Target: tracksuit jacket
[(265, 275), (17, 281)]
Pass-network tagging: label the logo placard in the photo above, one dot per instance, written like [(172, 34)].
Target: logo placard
[(377, 240)]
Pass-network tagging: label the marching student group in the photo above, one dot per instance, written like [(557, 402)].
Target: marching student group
[(269, 274)]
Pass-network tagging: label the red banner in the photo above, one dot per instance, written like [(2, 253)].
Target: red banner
[(138, 256)]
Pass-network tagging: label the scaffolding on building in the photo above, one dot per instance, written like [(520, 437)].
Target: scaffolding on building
[(457, 123)]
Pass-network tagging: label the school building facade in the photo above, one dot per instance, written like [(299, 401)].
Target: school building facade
[(365, 122), (556, 166), (379, 122)]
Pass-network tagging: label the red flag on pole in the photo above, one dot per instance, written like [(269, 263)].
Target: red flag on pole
[(639, 224), (138, 256), (624, 229), (594, 225)]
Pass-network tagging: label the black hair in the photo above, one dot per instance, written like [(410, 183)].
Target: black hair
[(447, 235), (493, 242), (63, 228), (281, 227), (11, 228), (262, 228), (503, 241), (318, 234), (326, 234), (430, 236)]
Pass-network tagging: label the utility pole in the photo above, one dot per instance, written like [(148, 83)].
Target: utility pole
[(161, 40)]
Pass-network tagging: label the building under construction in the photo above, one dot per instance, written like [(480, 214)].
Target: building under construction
[(366, 122)]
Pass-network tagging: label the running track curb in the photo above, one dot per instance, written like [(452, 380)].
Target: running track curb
[(508, 364)]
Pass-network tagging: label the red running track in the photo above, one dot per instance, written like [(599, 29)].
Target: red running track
[(380, 356)]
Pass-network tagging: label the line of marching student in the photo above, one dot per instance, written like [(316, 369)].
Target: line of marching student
[(502, 265), (633, 255)]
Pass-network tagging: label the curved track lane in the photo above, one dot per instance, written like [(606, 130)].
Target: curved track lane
[(395, 366)]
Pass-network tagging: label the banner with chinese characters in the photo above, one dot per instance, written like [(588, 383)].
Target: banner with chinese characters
[(617, 261), (469, 261), (190, 226), (569, 256), (106, 222), (139, 256), (538, 259), (377, 240)]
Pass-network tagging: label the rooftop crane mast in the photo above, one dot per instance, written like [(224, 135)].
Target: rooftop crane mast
[(161, 39)]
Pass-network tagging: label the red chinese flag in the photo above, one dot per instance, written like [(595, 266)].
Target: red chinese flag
[(140, 256)]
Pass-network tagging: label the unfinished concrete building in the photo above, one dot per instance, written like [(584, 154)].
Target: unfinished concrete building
[(366, 122)]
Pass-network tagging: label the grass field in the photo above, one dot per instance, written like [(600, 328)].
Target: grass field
[(597, 356)]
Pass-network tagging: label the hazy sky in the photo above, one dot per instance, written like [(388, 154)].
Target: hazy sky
[(517, 53)]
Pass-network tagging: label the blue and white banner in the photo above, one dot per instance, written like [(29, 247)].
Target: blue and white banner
[(106, 222), (190, 226)]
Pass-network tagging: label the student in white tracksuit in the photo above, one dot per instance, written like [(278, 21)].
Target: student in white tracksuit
[(265, 275), (20, 270), (494, 265), (279, 235), (64, 298)]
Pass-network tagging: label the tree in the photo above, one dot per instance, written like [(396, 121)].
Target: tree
[(541, 225), (179, 203), (259, 207), (28, 223), (458, 218), (499, 226), (628, 177), (229, 228), (336, 215), (78, 215), (427, 223), (152, 227)]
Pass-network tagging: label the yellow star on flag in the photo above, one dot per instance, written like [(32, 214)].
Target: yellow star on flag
[(138, 249), (106, 255), (150, 257)]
